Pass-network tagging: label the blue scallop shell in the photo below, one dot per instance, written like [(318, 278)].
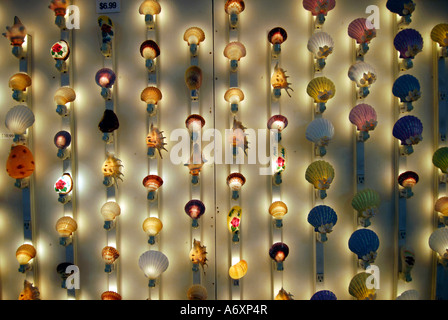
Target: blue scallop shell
[(363, 241), (407, 39), (400, 7), (408, 130), (324, 295), (405, 85), (322, 215)]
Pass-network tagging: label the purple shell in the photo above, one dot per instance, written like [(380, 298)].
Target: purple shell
[(62, 139), (409, 43), (408, 130), (278, 247), (319, 6), (105, 73), (407, 175), (359, 31), (364, 117), (196, 205), (401, 7), (275, 118)]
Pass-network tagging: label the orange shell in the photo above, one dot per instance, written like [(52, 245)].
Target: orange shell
[(110, 295), (20, 163)]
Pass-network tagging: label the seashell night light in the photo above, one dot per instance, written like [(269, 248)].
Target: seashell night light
[(29, 292), (278, 252), (151, 96), (438, 242), (320, 131), (62, 97), (194, 124), (361, 288), (278, 209), (65, 226), (110, 211), (234, 96), (234, 51), (363, 75), (408, 130), (238, 138), (321, 45), (19, 83), (408, 43), (407, 180), (20, 163), (441, 206), (403, 9), (363, 33), (24, 254), (409, 295), (364, 117), (62, 141), (321, 89), (279, 81), (152, 227), (195, 163), (440, 159), (276, 37), (439, 34), (320, 174), (107, 33), (194, 36), (364, 243), (323, 218), (234, 222), (60, 9), (155, 141), (407, 89), (109, 255), (235, 181), (278, 163), (153, 264), (16, 35), (197, 292), (112, 170), (63, 186), (110, 295), (407, 257), (64, 272), (195, 209), (18, 119), (150, 8), (105, 78), (60, 52), (233, 8), (237, 271), (323, 295), (366, 203), (193, 80), (149, 50), (152, 183), (108, 124), (198, 255), (319, 9), (277, 123), (283, 295)]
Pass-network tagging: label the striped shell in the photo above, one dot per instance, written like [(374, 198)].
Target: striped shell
[(19, 119), (409, 295), (362, 73), (323, 218), (366, 200), (409, 43), (110, 295), (197, 292), (279, 251), (441, 205), (320, 131), (321, 45), (408, 179), (25, 253), (278, 209), (364, 117), (110, 210), (401, 7), (359, 31), (408, 130), (64, 95), (324, 295), (439, 34), (65, 226), (235, 51), (152, 226), (234, 6), (440, 159), (151, 7), (109, 254), (238, 270), (277, 35), (149, 49), (407, 88), (358, 287), (193, 77), (153, 263), (321, 89), (151, 95), (438, 241), (320, 174), (194, 35), (364, 243), (319, 6), (234, 95), (20, 81)]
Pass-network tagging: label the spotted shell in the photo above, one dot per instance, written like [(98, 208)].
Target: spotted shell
[(16, 33), (364, 243), (197, 292), (59, 7), (193, 77), (321, 89), (359, 31), (321, 45), (64, 95), (151, 7), (409, 43), (20, 81), (440, 159), (364, 117), (408, 130), (19, 119), (362, 73), (112, 167), (20, 163), (198, 253), (320, 131), (439, 34), (29, 292), (65, 226), (238, 270), (406, 88), (235, 50), (110, 295), (358, 287), (109, 254), (323, 218), (279, 80), (25, 253), (194, 35), (320, 174), (401, 7), (366, 200)]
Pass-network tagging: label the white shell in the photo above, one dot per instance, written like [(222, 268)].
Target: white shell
[(438, 241), (409, 295), (363, 74), (19, 118), (321, 44), (320, 131), (153, 263), (110, 210)]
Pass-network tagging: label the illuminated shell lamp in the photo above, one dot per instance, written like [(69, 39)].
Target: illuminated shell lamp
[(194, 36), (321, 89), (278, 209), (360, 30), (234, 222), (198, 255), (24, 254), (65, 226), (152, 226), (323, 218), (407, 257), (149, 50), (152, 183), (364, 243), (63, 186), (366, 203), (407, 89), (234, 96), (407, 180), (323, 295), (283, 295), (60, 52), (233, 8), (235, 181), (440, 160), (237, 271), (238, 137), (408, 43), (112, 170), (278, 163), (108, 124), (193, 81), (439, 34), (110, 211), (361, 288), (16, 35), (320, 132), (19, 83), (320, 174), (278, 252), (276, 37), (151, 96), (403, 9), (197, 292), (153, 264), (319, 9), (29, 292), (438, 242), (194, 124), (321, 45), (279, 81), (61, 270), (364, 117), (20, 164), (62, 97), (105, 78), (234, 51), (150, 8), (60, 9), (278, 123), (155, 141), (441, 206), (110, 295), (408, 130), (195, 209), (62, 141), (195, 163), (363, 75), (109, 255), (107, 33), (17, 120)]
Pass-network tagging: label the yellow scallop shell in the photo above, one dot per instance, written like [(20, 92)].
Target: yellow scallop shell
[(20, 81), (238, 270)]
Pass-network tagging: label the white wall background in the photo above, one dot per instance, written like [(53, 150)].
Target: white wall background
[(175, 240)]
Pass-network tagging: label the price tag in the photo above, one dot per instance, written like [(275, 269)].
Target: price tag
[(108, 6)]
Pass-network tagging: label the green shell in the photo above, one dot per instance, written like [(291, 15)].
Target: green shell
[(358, 287), (440, 159), (366, 199), (320, 174)]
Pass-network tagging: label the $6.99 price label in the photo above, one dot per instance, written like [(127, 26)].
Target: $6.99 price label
[(108, 6)]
